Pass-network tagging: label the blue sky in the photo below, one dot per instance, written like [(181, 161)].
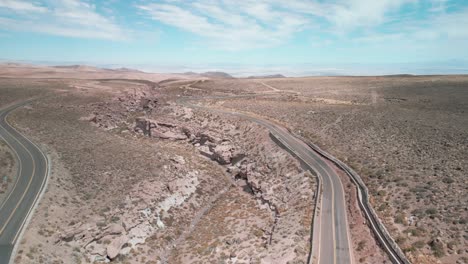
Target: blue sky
[(307, 36)]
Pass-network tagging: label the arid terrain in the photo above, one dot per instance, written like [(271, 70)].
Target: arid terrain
[(119, 191), (406, 136), (139, 177)]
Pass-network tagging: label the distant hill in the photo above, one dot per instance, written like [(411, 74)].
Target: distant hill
[(267, 76), (211, 74), (126, 70), (221, 75), (91, 68), (399, 75), (77, 67), (66, 66)]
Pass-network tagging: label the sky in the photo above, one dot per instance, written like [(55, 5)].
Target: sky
[(293, 37)]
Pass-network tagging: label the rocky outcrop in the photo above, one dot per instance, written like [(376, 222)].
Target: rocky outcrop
[(268, 177), (205, 137), (223, 153), (161, 130), (120, 112)]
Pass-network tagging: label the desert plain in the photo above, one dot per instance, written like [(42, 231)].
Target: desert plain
[(138, 176)]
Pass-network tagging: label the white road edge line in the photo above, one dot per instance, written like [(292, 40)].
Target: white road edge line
[(361, 202), (316, 226), (376, 230), (39, 196), (274, 131), (31, 211), (18, 172)]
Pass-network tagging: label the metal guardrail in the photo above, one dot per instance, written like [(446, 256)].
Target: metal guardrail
[(391, 247), (311, 259)]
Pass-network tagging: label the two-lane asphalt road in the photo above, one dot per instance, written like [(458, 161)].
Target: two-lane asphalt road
[(30, 181), (334, 246)]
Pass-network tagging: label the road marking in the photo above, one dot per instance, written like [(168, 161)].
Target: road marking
[(368, 215), (29, 183), (44, 181), (20, 170), (313, 155), (6, 111), (351, 259), (320, 222), (367, 210), (333, 216), (271, 127), (318, 175), (39, 194)]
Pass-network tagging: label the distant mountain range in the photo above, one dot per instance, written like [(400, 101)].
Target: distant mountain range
[(212, 74), (267, 76), (91, 68)]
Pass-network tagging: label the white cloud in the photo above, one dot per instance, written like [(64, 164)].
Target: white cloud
[(22, 6), (364, 13), (246, 24), (344, 16), (229, 24), (233, 24), (71, 18), (441, 26)]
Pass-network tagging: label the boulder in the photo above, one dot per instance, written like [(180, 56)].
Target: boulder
[(159, 223), (143, 126), (90, 118), (69, 234), (148, 104), (223, 153), (246, 169), (205, 151), (113, 249)]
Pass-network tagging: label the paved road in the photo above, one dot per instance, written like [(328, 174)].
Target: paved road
[(334, 245), (31, 178)]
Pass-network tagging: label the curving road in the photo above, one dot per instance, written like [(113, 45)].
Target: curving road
[(30, 181), (331, 241), (332, 228)]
